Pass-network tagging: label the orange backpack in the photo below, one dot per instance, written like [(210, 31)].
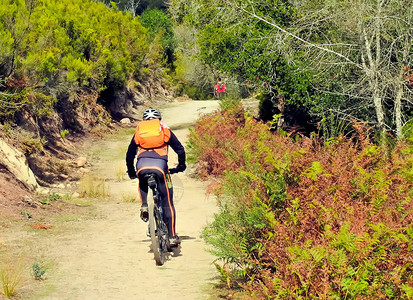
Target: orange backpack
[(150, 134)]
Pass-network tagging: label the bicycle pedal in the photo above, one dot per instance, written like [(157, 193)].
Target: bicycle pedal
[(144, 213), (174, 242), (145, 216)]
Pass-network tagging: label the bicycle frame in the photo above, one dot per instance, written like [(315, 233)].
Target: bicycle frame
[(158, 226)]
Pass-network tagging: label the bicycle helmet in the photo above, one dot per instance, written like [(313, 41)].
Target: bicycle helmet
[(151, 113)]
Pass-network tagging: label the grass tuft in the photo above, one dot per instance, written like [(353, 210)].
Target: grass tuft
[(129, 198), (11, 277), (120, 172), (93, 186)]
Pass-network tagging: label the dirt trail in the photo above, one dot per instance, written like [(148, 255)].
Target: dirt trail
[(109, 257)]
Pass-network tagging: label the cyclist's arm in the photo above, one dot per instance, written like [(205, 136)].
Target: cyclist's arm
[(178, 148), (130, 155)]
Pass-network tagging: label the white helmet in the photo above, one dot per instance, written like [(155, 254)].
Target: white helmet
[(151, 113)]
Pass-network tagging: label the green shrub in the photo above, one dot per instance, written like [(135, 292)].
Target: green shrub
[(157, 21), (227, 103), (31, 144), (53, 46), (38, 271)]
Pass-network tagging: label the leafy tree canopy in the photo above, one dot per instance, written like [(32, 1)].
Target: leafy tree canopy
[(158, 22), (347, 57), (243, 47)]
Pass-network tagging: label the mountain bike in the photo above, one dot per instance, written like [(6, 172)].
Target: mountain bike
[(217, 95), (158, 226)]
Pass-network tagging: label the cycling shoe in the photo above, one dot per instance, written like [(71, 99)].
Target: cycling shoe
[(174, 241), (144, 213)]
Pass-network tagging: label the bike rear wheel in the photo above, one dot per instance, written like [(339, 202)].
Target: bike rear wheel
[(156, 237)]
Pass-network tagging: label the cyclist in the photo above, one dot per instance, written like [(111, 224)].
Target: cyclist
[(220, 88), (154, 159)]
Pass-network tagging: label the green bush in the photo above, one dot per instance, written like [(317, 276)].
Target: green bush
[(82, 44), (158, 22)]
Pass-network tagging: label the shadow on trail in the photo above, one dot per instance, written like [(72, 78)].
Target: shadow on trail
[(187, 237), (176, 251), (182, 237)]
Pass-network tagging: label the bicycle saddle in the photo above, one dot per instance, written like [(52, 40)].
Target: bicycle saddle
[(151, 179)]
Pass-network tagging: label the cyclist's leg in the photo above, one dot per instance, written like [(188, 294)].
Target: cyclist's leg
[(168, 205), (143, 192), (143, 189), (143, 185), (160, 168), (166, 191)]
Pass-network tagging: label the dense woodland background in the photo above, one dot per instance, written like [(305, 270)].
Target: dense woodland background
[(315, 191)]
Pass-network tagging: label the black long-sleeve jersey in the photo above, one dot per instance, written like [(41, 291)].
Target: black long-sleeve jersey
[(173, 142)]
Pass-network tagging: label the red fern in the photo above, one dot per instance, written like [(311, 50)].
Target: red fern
[(349, 187)]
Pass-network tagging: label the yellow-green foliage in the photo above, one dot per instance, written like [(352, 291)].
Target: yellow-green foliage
[(129, 198), (83, 37), (120, 172), (11, 276), (93, 186), (80, 42)]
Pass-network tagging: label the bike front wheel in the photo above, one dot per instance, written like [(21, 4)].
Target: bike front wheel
[(156, 237)]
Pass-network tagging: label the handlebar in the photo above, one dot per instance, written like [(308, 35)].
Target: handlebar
[(174, 171), (171, 171)]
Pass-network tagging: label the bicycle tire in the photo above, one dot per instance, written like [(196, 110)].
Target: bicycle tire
[(155, 237)]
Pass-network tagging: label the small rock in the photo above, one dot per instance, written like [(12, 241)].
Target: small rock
[(81, 161), (43, 191), (125, 121), (75, 195), (61, 186), (84, 171)]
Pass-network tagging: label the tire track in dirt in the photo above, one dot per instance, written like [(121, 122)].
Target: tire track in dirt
[(109, 257)]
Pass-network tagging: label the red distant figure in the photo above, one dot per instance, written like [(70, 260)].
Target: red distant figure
[(220, 89), (408, 76)]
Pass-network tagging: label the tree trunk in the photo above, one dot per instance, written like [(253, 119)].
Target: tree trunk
[(371, 69), (398, 111), (399, 88)]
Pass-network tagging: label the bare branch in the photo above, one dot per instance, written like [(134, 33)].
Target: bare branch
[(323, 48)]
